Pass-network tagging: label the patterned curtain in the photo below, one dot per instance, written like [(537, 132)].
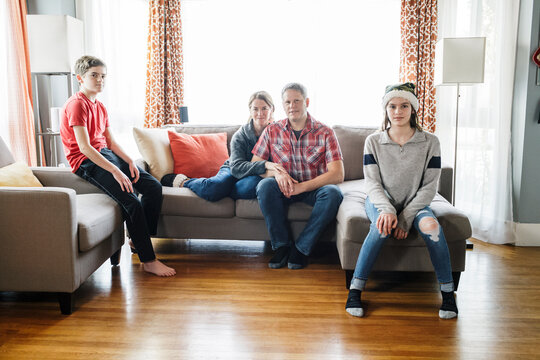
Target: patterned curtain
[(19, 98), (417, 63), (165, 69)]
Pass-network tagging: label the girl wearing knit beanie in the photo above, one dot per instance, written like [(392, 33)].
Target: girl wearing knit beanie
[(402, 165)]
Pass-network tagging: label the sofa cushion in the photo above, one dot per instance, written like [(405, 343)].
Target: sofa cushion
[(351, 140), (184, 202), (198, 155), (206, 129), (154, 147), (249, 209), (97, 217), (18, 174), (353, 220)]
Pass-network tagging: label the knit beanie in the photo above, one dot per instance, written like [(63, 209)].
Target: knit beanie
[(405, 90)]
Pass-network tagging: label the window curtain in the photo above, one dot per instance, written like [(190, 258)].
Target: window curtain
[(418, 40), (165, 67), (16, 114), (483, 177)]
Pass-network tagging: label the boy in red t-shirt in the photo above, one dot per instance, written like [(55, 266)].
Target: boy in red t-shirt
[(94, 155)]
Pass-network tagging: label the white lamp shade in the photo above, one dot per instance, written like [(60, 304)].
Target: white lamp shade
[(55, 42), (460, 60)]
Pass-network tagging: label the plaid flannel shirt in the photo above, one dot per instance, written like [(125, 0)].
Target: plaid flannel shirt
[(305, 158)]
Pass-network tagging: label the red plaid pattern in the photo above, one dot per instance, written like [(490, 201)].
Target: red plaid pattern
[(305, 158)]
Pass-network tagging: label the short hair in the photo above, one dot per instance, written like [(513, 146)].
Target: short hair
[(295, 86), (86, 62)]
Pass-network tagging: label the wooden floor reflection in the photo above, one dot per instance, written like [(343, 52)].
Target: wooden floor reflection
[(225, 303)]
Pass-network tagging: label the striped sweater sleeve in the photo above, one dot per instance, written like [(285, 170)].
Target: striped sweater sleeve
[(372, 175), (428, 188)]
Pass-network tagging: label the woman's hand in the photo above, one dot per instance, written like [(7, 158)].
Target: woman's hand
[(275, 167), (134, 171), (386, 222), (400, 234), (123, 180)]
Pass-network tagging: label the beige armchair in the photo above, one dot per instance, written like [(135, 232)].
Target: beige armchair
[(53, 238)]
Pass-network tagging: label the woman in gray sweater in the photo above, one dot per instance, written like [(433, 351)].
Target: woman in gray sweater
[(238, 177), (402, 165)]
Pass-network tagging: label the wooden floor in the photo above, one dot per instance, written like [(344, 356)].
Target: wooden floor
[(225, 303)]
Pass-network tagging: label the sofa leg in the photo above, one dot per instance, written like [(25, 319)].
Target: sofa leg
[(66, 301), (456, 275), (348, 278), (115, 258)]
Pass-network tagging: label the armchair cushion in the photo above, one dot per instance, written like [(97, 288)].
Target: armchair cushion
[(97, 219), (19, 175)]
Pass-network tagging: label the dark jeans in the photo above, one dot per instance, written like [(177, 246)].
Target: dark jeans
[(325, 201), (224, 184), (141, 215)]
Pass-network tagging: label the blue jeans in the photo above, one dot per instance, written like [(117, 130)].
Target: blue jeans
[(325, 201), (436, 244), (224, 184), (141, 215)]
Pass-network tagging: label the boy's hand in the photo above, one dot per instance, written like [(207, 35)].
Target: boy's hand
[(123, 180), (400, 234), (134, 171)]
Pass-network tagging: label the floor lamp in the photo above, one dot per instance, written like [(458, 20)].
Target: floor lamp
[(459, 61), (54, 42)]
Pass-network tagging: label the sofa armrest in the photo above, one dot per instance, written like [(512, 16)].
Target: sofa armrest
[(64, 178), (38, 232), (445, 182)]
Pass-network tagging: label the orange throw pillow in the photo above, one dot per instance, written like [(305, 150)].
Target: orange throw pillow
[(198, 155)]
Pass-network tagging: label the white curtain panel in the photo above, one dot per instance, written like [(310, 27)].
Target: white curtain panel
[(117, 32), (484, 173)]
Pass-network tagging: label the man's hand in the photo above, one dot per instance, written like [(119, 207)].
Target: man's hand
[(123, 180), (386, 222), (286, 183), (134, 171), (400, 234)]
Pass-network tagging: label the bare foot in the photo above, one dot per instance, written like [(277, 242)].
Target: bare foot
[(156, 267)]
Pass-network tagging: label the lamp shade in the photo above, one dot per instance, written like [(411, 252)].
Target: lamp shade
[(55, 42), (460, 60)]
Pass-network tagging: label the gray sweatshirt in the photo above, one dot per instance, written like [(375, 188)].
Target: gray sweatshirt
[(242, 143), (402, 180)]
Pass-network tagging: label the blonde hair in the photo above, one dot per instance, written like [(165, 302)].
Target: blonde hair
[(264, 96)]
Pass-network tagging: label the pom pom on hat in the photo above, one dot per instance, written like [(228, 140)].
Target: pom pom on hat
[(405, 90)]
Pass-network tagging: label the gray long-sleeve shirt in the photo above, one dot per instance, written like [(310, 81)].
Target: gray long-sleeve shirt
[(239, 162), (402, 180)]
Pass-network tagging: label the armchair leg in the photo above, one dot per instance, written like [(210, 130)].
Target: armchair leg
[(115, 258), (348, 278), (456, 275), (66, 301)]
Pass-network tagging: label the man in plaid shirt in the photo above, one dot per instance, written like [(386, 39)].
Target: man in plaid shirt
[(311, 165)]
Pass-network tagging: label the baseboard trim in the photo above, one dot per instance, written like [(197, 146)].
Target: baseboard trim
[(527, 234)]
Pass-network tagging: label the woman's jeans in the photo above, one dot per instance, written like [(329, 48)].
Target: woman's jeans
[(141, 215), (436, 244), (223, 184)]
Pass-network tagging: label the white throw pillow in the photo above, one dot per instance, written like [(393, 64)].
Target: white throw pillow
[(155, 149)]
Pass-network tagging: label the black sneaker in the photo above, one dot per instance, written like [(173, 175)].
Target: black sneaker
[(448, 308), (354, 303), (280, 258), (297, 260)]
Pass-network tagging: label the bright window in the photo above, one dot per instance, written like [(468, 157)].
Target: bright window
[(344, 51)]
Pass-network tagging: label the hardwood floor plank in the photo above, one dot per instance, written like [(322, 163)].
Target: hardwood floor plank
[(225, 303)]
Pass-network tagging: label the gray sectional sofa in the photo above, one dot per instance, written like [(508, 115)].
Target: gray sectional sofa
[(185, 215)]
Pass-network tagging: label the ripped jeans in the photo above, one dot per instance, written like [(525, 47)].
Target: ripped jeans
[(433, 237)]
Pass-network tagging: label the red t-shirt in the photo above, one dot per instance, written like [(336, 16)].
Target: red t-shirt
[(81, 111)]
